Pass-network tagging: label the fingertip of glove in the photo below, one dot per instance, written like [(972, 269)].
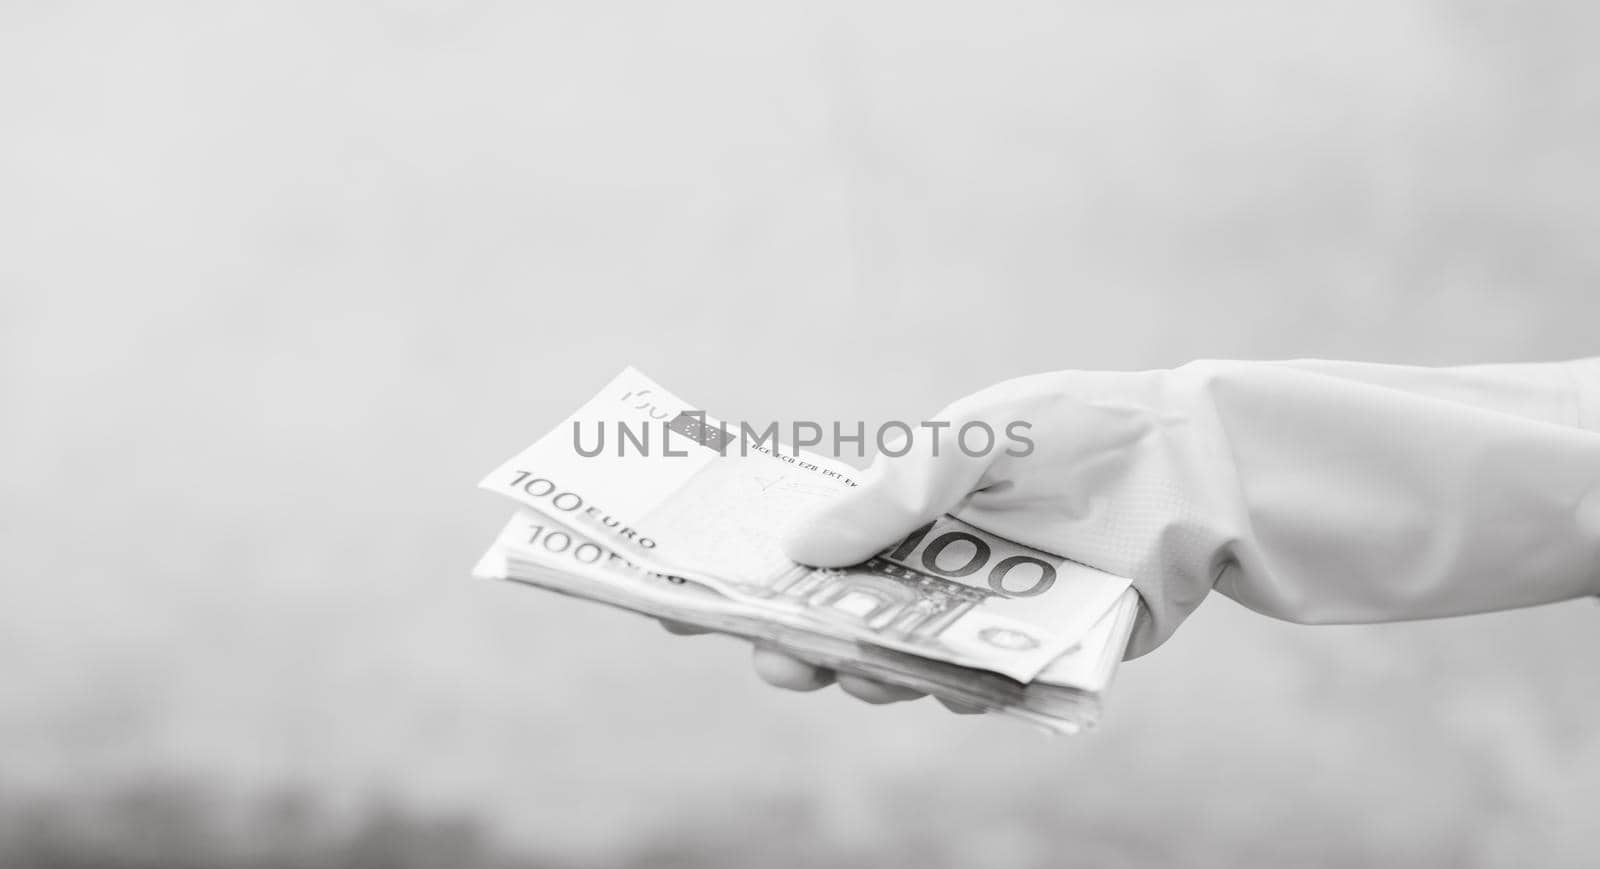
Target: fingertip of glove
[(827, 542), (782, 671), (852, 529)]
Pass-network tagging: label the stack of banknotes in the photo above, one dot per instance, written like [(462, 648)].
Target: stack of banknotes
[(641, 501)]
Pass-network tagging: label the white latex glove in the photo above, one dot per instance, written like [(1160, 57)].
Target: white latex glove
[(1311, 491)]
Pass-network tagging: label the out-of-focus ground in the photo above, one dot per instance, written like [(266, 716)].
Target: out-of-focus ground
[(279, 282)]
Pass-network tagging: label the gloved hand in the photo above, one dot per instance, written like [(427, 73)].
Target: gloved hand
[(1311, 491)]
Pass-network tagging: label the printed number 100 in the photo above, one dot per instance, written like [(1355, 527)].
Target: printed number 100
[(559, 542), (998, 574)]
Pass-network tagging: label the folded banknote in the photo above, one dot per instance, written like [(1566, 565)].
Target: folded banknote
[(1064, 697)]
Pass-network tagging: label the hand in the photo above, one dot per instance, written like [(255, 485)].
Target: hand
[(1066, 468)]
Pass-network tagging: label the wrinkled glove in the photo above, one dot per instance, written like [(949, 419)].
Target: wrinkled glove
[(1312, 491)]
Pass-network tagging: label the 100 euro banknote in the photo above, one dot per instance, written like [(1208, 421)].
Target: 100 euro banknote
[(710, 503), (1065, 697)]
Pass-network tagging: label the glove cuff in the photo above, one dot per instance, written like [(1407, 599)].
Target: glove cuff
[(1586, 377)]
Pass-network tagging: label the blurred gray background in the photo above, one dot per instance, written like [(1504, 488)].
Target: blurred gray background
[(279, 282)]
